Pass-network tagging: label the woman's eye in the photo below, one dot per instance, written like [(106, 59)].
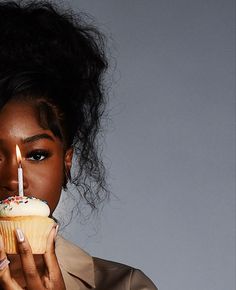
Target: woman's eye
[(37, 155)]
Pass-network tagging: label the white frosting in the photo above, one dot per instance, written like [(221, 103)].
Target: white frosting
[(23, 206)]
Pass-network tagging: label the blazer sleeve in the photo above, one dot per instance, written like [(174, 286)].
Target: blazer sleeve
[(139, 281)]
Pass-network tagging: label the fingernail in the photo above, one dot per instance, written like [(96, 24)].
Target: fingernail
[(56, 231), (20, 235)]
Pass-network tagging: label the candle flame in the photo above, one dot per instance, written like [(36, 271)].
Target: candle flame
[(18, 155)]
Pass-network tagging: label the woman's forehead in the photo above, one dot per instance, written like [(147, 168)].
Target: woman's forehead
[(16, 112), (19, 120)]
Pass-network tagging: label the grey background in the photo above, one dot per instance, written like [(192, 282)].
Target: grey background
[(170, 148)]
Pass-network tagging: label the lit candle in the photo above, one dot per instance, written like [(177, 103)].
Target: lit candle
[(20, 172)]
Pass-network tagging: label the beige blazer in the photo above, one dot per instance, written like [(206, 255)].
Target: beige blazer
[(81, 271)]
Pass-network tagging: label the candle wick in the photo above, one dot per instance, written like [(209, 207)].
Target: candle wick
[(20, 165)]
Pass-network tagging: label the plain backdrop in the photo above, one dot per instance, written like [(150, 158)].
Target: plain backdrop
[(170, 146)]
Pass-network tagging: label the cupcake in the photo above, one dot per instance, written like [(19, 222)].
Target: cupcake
[(31, 216)]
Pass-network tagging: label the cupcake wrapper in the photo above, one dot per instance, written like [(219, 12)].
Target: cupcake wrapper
[(35, 228)]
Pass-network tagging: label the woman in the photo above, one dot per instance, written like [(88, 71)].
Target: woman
[(51, 103)]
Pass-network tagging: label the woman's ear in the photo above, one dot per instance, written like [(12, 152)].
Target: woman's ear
[(67, 166), (68, 159)]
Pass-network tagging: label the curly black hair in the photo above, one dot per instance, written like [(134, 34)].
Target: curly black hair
[(52, 58)]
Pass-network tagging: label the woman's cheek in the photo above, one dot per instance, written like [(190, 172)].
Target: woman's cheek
[(45, 182), (53, 194)]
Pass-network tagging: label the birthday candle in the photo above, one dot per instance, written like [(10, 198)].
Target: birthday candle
[(20, 172)]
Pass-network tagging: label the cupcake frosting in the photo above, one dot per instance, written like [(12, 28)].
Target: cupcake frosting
[(23, 206)]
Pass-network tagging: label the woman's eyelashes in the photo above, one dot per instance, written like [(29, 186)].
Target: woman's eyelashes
[(38, 155)]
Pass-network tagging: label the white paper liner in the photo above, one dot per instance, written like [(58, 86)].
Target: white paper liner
[(35, 228)]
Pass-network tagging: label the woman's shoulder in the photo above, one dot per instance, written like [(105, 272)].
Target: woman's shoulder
[(120, 276), (80, 269)]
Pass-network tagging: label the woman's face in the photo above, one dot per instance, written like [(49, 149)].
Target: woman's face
[(43, 157)]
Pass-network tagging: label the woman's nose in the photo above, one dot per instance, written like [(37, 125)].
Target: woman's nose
[(9, 178)]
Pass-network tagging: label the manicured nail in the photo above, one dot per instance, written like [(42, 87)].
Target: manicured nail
[(56, 231), (20, 235)]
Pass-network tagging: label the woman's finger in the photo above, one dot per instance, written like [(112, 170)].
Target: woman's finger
[(50, 255), (30, 271), (54, 271), (6, 282)]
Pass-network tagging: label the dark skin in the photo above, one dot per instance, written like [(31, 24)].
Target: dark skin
[(44, 161)]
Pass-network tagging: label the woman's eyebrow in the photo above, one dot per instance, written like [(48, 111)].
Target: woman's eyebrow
[(37, 137)]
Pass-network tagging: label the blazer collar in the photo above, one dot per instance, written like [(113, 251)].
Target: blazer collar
[(75, 261)]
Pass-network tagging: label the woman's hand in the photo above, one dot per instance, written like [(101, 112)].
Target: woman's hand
[(52, 277)]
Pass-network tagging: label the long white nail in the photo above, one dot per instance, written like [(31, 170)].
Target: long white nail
[(20, 235)]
